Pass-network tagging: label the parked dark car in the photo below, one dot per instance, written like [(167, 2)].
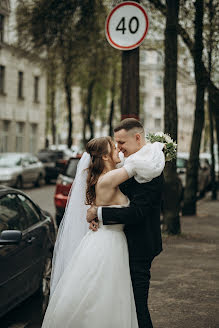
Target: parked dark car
[(54, 162), (204, 172), (27, 237), (63, 186)]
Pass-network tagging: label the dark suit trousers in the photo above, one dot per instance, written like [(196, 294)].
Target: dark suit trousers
[(140, 275)]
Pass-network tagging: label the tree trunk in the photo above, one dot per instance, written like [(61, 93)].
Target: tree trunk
[(214, 96), (51, 115), (210, 106), (68, 94), (213, 178), (90, 122), (130, 84), (84, 117), (172, 188), (190, 195), (171, 200), (214, 91), (112, 105)]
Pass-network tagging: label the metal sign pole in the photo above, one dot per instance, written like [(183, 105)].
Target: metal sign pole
[(126, 28)]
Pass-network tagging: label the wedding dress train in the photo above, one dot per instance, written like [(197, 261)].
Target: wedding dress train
[(95, 290)]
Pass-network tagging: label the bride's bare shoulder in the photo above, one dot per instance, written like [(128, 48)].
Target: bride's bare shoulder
[(113, 178)]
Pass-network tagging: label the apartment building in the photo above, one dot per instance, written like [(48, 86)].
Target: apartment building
[(22, 92), (152, 94)]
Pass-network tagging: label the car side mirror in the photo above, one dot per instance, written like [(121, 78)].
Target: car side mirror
[(10, 237)]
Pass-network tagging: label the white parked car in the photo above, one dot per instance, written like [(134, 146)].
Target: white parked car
[(16, 169)]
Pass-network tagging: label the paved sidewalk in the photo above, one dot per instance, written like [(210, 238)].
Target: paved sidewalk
[(184, 290)]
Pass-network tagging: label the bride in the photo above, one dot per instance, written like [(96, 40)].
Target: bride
[(90, 283)]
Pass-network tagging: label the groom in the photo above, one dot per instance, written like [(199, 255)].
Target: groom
[(141, 218)]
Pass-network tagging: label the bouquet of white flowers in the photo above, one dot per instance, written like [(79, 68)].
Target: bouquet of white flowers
[(169, 145)]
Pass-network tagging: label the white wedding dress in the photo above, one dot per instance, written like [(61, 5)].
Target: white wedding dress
[(95, 290)]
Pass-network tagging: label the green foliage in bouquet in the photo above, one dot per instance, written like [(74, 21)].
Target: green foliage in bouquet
[(169, 145)]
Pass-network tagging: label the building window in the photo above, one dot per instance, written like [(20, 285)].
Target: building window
[(159, 58), (143, 56), (159, 79), (143, 97), (5, 137), (142, 81), (36, 89), (2, 79), (33, 138), (1, 28), (157, 123), (157, 101), (19, 136), (20, 85)]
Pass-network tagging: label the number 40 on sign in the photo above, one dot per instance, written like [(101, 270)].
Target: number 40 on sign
[(126, 25)]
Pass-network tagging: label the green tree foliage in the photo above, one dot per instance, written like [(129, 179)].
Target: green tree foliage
[(73, 32), (49, 27), (97, 62), (203, 78)]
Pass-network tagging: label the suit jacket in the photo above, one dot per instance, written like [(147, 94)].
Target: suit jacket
[(141, 218)]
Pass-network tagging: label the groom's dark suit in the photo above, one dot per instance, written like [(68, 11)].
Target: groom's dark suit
[(142, 229)]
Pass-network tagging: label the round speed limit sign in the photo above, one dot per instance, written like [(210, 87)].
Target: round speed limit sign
[(126, 25)]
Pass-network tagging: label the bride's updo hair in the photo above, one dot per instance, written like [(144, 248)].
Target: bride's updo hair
[(96, 147)]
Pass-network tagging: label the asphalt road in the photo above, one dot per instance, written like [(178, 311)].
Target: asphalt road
[(28, 314), (184, 284), (43, 196)]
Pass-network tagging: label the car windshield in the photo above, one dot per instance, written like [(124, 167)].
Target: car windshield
[(72, 167), (9, 160), (181, 163)]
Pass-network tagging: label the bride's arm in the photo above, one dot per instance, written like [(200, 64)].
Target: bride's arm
[(109, 181), (114, 178), (144, 165)]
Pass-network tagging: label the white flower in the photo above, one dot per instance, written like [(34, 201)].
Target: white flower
[(168, 139), (159, 134)]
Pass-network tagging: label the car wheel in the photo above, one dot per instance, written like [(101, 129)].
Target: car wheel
[(19, 183), (44, 289), (38, 181)]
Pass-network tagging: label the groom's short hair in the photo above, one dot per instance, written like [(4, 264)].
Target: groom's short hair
[(130, 124)]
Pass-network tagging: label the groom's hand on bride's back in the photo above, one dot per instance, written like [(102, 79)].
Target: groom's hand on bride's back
[(94, 225), (91, 213), (92, 218)]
